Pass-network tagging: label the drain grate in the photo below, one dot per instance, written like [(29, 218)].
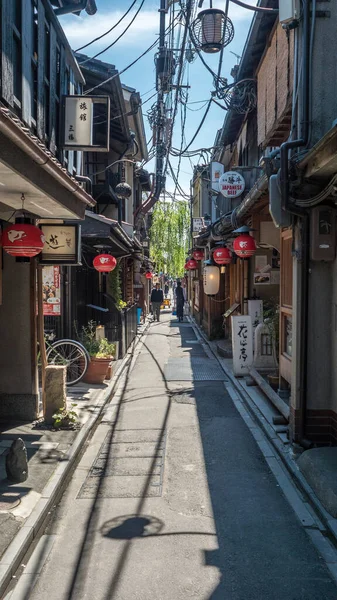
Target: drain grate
[(193, 369), (130, 465)]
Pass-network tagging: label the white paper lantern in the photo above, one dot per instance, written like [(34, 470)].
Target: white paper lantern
[(211, 280)]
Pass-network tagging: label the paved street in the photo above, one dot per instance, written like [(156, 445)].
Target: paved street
[(173, 498)]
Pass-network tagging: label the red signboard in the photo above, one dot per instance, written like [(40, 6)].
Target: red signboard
[(51, 291)]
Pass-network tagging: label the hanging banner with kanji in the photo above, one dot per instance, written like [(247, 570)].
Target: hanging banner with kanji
[(242, 344), (51, 291)]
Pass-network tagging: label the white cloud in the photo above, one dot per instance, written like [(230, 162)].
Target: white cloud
[(80, 30)]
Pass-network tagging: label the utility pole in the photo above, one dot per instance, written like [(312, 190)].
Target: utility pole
[(162, 59)]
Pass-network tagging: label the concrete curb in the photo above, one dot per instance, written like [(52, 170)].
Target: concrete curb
[(329, 522), (17, 549)]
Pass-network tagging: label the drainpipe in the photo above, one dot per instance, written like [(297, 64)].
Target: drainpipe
[(303, 215), (85, 179)]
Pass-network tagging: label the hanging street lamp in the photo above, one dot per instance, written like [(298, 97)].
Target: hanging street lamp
[(244, 245), (104, 263), (212, 30), (22, 239), (211, 279), (198, 254), (191, 264), (222, 256)]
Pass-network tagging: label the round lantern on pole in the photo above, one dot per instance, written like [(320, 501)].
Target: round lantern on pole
[(222, 256), (244, 245), (22, 239), (191, 264), (198, 254), (104, 263), (212, 30), (148, 275)]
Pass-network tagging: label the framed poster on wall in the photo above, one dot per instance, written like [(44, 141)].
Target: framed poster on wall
[(51, 290)]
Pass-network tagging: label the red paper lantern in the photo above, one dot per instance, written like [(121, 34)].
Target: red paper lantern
[(244, 246), (198, 254), (104, 263), (191, 264), (186, 267), (222, 256), (22, 239), (148, 275)]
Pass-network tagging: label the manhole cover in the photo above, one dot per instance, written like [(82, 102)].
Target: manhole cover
[(193, 369), (8, 501), (130, 465)]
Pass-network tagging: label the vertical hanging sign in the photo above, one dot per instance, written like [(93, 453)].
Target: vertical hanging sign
[(78, 121), (255, 311), (242, 344)]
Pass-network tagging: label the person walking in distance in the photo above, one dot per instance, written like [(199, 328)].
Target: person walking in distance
[(180, 301), (157, 298)]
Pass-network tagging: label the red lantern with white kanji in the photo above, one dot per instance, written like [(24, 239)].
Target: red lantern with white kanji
[(198, 254), (186, 267), (104, 263), (148, 275), (222, 256), (244, 246), (23, 240), (191, 264)]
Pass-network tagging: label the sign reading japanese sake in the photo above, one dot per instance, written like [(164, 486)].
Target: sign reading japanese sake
[(231, 184), (242, 344)]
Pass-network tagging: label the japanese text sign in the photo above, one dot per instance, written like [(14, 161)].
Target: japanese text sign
[(231, 184), (62, 244), (242, 344), (78, 121), (51, 291)]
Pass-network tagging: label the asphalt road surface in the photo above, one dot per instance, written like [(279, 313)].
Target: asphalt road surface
[(173, 498)]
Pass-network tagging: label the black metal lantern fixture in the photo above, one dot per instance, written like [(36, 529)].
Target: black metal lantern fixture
[(123, 192), (213, 30)]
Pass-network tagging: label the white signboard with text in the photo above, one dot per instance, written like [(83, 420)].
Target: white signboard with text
[(78, 121), (255, 311), (231, 184), (198, 224), (242, 344)]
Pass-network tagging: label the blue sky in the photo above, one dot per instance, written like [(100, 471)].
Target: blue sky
[(141, 76)]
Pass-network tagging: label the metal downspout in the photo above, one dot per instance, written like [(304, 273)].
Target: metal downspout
[(302, 214)]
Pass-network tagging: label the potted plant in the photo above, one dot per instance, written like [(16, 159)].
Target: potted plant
[(101, 353)]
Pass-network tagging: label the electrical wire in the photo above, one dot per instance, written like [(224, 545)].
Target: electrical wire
[(267, 11), (118, 38), (127, 67), (109, 30)]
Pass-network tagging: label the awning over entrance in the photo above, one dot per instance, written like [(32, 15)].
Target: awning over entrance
[(27, 167), (99, 233)]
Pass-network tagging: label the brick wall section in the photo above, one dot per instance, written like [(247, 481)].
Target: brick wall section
[(274, 83)]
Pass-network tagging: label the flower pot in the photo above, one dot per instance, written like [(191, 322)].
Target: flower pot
[(97, 370)]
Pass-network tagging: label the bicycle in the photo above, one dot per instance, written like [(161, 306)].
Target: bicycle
[(69, 353)]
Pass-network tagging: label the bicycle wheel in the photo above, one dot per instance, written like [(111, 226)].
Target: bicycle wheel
[(71, 354)]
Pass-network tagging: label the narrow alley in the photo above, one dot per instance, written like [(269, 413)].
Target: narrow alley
[(173, 499)]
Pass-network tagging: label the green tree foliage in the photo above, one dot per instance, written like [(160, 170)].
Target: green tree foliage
[(169, 237)]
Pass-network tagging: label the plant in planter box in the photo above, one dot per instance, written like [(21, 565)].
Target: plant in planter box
[(101, 353)]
